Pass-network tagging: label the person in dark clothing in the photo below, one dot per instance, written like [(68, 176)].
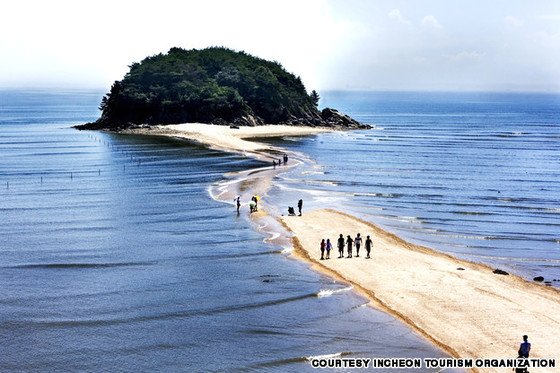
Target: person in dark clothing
[(238, 202), (349, 243), (274, 163), (358, 243), (328, 248), (368, 247), (524, 348), (323, 245), (285, 158), (300, 206), (340, 246)]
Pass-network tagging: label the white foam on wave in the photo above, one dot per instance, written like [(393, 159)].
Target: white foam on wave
[(328, 356), (272, 237), (287, 250), (323, 293)]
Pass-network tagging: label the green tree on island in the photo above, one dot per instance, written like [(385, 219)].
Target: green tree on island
[(315, 97), (208, 85)]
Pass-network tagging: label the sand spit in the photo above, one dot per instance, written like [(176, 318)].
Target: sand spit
[(226, 138), (470, 313)]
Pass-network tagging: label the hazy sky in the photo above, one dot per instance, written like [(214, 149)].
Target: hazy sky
[(351, 44)]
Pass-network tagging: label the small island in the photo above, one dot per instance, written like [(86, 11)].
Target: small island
[(215, 86)]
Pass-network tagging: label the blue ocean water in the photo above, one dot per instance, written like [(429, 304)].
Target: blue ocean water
[(473, 174), (113, 257)]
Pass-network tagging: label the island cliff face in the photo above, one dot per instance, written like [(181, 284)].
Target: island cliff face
[(213, 85)]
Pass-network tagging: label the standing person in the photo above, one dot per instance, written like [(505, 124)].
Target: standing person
[(340, 246), (238, 203), (349, 242), (524, 348), (274, 163), (358, 243), (323, 245), (329, 248), (368, 246), (299, 206)]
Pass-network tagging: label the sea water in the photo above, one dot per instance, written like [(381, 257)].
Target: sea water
[(473, 174), (114, 256)]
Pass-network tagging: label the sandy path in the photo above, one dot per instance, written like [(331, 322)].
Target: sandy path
[(470, 313), (225, 138)]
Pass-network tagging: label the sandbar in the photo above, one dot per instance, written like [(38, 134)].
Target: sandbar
[(226, 138), (470, 313)]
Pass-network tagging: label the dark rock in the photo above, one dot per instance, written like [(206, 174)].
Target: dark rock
[(248, 120), (538, 279), (332, 118), (460, 269), (500, 272), (220, 122)]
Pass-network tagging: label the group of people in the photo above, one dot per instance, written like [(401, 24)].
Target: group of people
[(291, 210), (349, 243), (253, 204), (284, 160)]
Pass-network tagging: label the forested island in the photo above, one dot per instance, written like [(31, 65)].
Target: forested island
[(213, 85)]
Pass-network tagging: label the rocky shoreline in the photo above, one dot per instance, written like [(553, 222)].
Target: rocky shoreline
[(328, 117)]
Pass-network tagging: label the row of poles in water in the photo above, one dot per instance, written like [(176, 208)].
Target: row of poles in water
[(98, 171)]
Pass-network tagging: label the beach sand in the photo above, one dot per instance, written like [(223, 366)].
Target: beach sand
[(226, 138), (470, 313)]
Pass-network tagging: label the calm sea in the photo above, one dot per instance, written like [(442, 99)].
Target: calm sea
[(473, 174), (113, 256)]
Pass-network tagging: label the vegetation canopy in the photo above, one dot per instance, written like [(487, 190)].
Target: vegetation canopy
[(213, 85)]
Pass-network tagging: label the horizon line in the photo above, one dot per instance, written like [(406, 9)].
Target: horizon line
[(355, 90)]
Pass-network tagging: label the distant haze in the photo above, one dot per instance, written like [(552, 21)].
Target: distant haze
[(348, 45)]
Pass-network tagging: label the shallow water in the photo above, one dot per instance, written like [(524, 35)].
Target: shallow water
[(113, 257), (477, 175)]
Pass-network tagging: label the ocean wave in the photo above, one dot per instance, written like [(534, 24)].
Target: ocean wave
[(328, 356), (324, 293)]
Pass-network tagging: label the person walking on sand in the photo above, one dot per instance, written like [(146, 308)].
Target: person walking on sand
[(368, 247), (300, 206), (524, 348), (274, 163), (349, 242), (328, 248), (323, 245), (340, 246), (358, 243), (238, 203)]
